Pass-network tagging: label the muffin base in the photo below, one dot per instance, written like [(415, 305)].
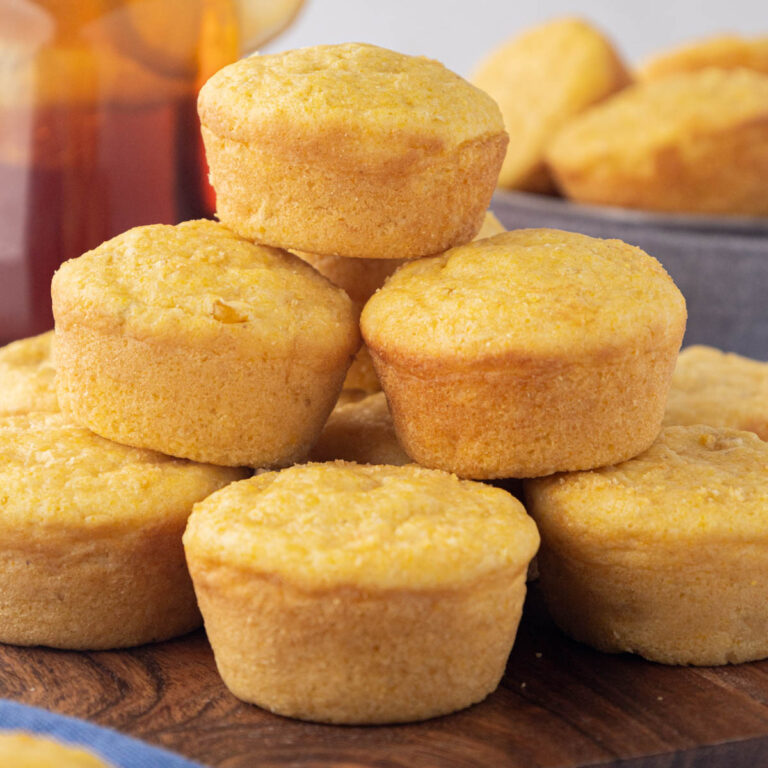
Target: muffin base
[(212, 405), (107, 590), (413, 206), (704, 608), (528, 417), (347, 655)]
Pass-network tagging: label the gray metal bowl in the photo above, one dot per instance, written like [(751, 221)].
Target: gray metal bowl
[(720, 264)]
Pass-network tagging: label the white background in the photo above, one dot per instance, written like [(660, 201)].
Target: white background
[(460, 32)]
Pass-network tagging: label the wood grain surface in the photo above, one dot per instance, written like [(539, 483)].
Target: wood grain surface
[(559, 704)]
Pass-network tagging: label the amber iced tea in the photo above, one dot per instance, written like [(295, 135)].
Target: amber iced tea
[(98, 131)]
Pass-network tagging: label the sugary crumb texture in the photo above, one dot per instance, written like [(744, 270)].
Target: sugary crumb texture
[(529, 292), (322, 526)]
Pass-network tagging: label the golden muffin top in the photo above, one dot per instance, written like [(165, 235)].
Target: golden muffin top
[(724, 51), (343, 524), (720, 389), (694, 484), (361, 431), (526, 293), (25, 750), (540, 79), (368, 104), (27, 376), (200, 279), (54, 473), (628, 130)]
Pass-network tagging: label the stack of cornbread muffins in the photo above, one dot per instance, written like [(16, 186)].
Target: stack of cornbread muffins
[(380, 582)]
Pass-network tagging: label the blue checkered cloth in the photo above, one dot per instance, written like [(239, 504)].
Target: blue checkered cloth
[(121, 751)]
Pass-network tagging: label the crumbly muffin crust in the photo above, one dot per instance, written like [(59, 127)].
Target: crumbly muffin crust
[(396, 100), (527, 292), (324, 526)]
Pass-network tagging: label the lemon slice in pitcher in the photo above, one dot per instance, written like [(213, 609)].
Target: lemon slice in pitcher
[(261, 20)]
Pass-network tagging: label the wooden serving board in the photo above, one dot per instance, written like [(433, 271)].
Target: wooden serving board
[(559, 704)]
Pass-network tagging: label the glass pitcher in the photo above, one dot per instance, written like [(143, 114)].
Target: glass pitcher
[(99, 129)]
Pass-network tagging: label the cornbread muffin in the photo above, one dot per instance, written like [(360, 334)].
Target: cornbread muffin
[(350, 150), (540, 79), (27, 376), (694, 142), (372, 594), (362, 431), (665, 555), (723, 51), (192, 341), (90, 537), (24, 750), (531, 352), (720, 389)]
